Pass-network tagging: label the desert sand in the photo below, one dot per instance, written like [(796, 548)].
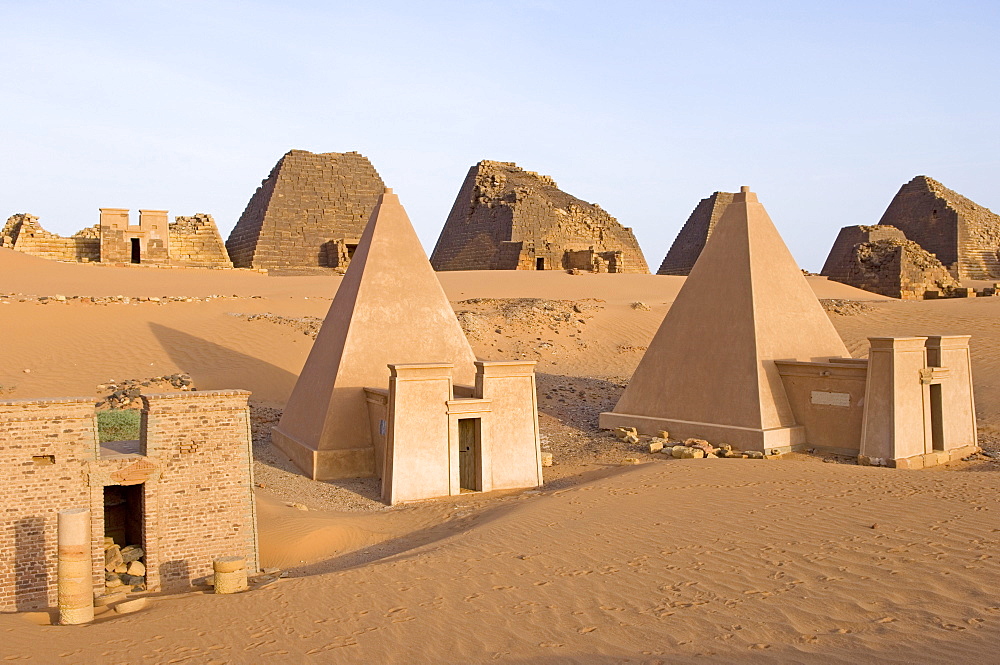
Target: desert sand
[(667, 561)]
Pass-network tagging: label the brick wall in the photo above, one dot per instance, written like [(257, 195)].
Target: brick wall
[(307, 201), (692, 237), (506, 218), (46, 447), (194, 466)]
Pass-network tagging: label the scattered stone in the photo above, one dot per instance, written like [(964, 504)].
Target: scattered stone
[(655, 446), (136, 568), (112, 558), (130, 606), (546, 459), (132, 553), (109, 598), (630, 461), (678, 451), (640, 306)]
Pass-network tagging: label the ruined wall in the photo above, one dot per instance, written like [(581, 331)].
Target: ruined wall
[(692, 237), (307, 201), (194, 465), (963, 235), (195, 241), (506, 218), (23, 233), (840, 262), (897, 268)]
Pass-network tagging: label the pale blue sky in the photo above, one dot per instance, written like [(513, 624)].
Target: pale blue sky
[(824, 109)]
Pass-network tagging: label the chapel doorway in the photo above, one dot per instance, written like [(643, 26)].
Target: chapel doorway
[(469, 454), (136, 253)]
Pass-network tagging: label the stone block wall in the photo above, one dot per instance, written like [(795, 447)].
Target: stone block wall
[(880, 259), (195, 241), (962, 234), (194, 465), (506, 218), (308, 201), (691, 239), (23, 233), (117, 235)]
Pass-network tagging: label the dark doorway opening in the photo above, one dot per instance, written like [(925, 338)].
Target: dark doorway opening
[(123, 514), (350, 251), (469, 454), (124, 507), (937, 413), (540, 264), (136, 253)]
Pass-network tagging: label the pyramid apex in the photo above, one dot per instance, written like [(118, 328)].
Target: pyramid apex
[(745, 195)]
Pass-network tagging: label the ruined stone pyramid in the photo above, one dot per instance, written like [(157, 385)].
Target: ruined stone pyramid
[(506, 218), (963, 235), (691, 239), (390, 308), (709, 371), (302, 209)]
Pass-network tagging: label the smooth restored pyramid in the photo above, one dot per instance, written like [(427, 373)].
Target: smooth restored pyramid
[(709, 371), (390, 308)]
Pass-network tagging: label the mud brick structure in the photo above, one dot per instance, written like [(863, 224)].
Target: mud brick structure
[(962, 234), (308, 213), (880, 259), (506, 218), (195, 241), (692, 237), (189, 241), (23, 233), (183, 492)]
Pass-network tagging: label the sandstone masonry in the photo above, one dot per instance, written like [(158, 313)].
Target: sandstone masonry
[(506, 218), (188, 484), (188, 241), (692, 237), (308, 213), (962, 234)]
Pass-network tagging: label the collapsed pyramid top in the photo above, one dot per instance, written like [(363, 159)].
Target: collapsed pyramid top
[(744, 305), (389, 308), (964, 235), (506, 218), (307, 203)]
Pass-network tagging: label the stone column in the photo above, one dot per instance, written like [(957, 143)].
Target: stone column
[(230, 574), (75, 567)]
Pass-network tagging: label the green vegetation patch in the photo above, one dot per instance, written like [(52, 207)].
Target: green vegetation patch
[(118, 425)]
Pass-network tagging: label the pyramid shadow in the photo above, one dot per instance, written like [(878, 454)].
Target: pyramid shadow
[(216, 367)]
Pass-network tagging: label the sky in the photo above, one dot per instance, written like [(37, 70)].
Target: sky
[(824, 109)]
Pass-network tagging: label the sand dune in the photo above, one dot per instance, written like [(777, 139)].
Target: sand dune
[(667, 562)]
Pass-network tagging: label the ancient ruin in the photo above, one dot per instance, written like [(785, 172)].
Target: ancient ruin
[(691, 239), (506, 218), (962, 234), (161, 508), (880, 259), (746, 356), (392, 389), (308, 213), (187, 241)]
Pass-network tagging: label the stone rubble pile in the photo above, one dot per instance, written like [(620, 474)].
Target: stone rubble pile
[(688, 449), (124, 569), (6, 298), (125, 394)]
